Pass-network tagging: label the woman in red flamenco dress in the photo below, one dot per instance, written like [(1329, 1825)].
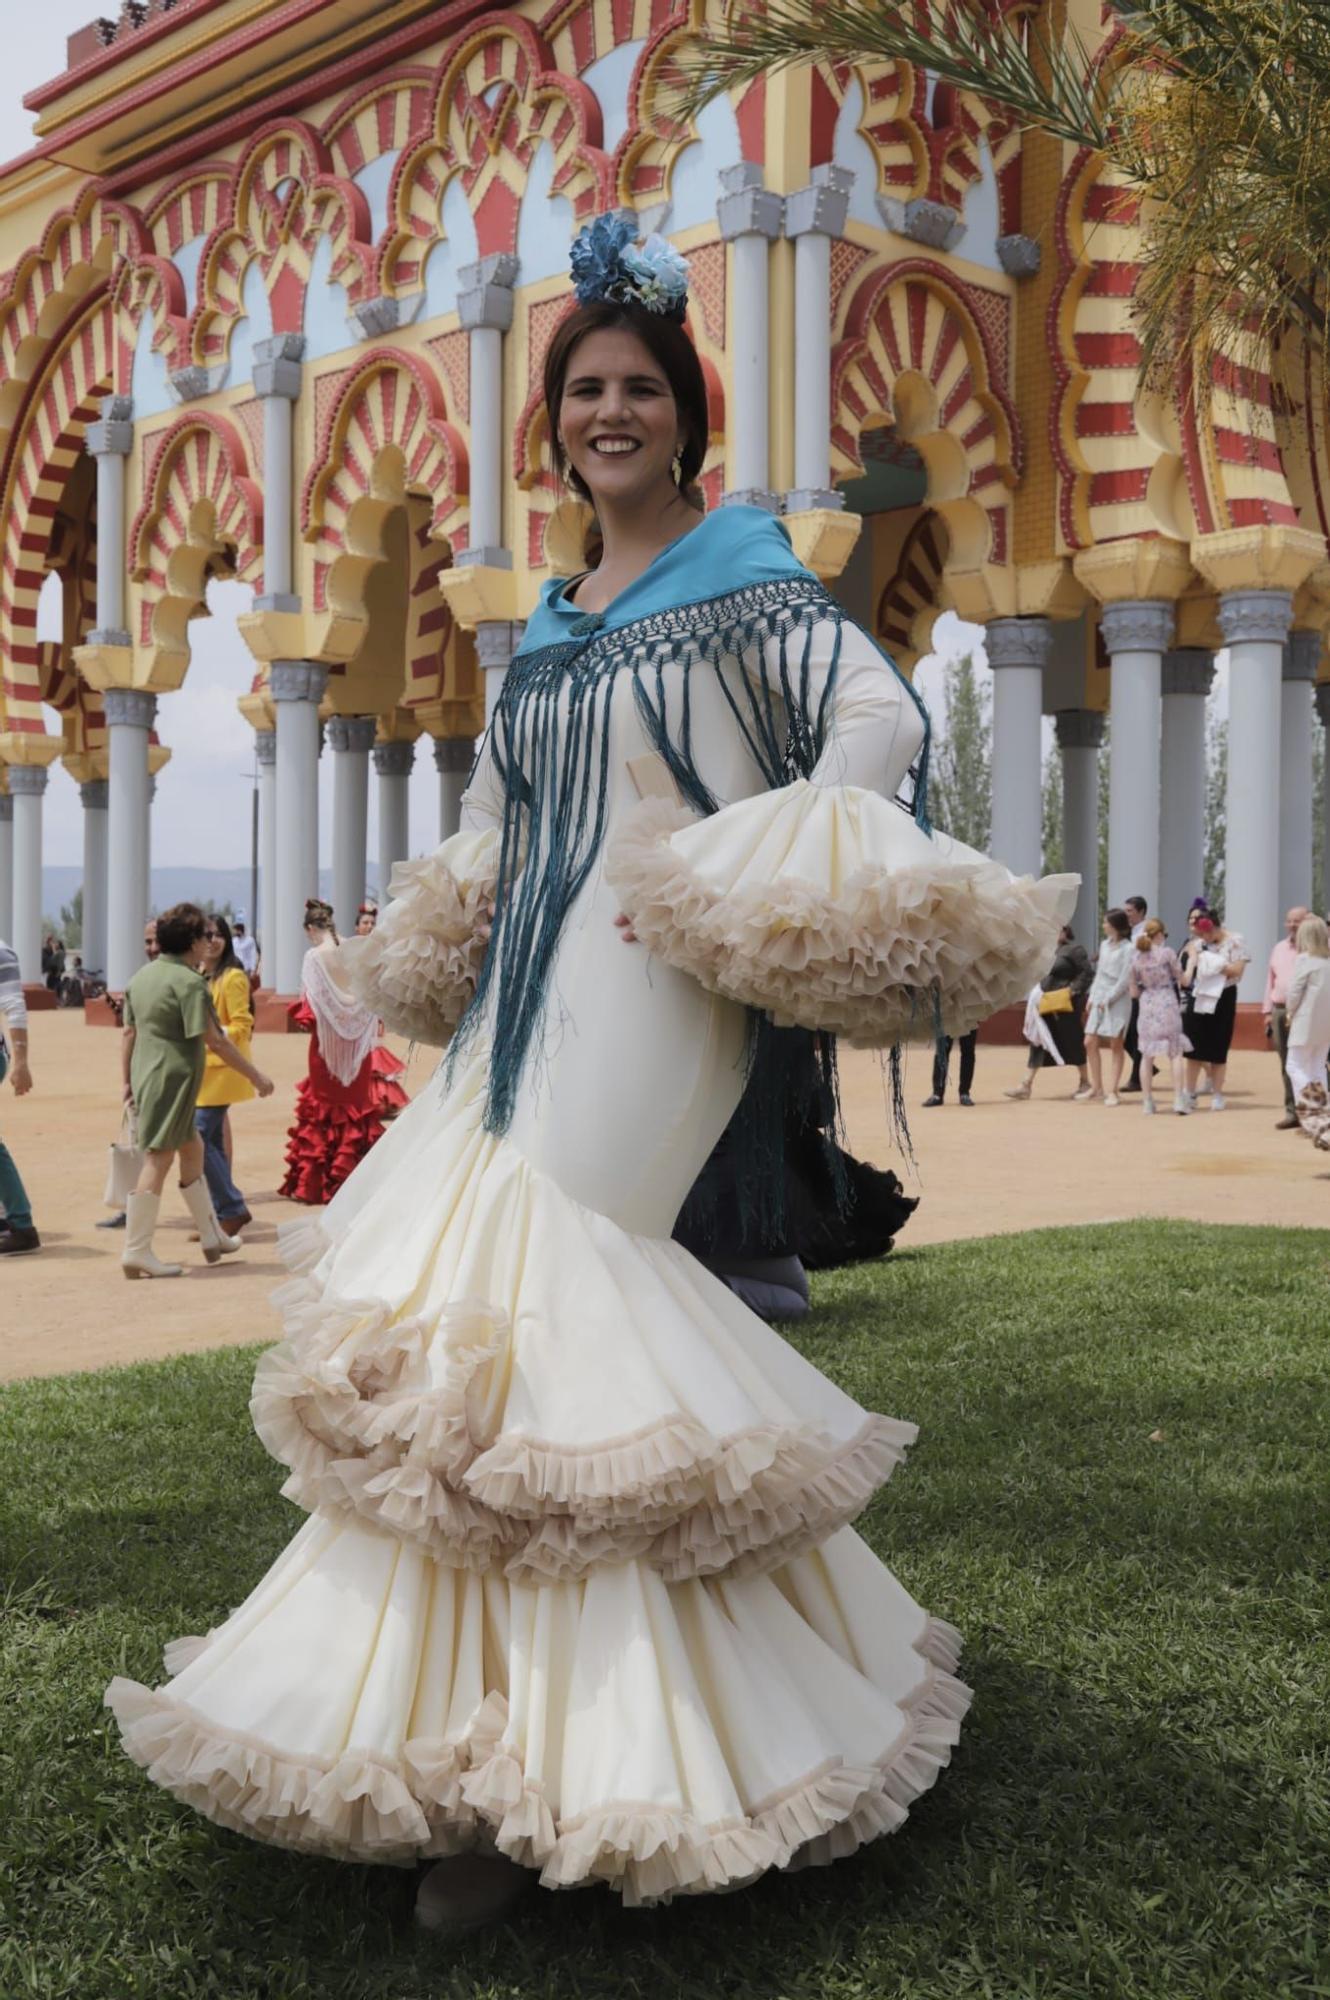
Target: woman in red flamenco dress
[(352, 1089)]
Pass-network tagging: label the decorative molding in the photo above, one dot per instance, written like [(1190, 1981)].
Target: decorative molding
[(189, 385), (1137, 625), (297, 680), (812, 500), (1019, 256), (936, 224), (351, 732), (1079, 728), (821, 208), (394, 760), (1018, 642), (96, 795), (454, 755), (757, 496), (265, 747), (131, 708), (1188, 670), (28, 780), (279, 365), (746, 207), (1302, 656), (375, 317), (113, 434), (485, 292), (1255, 616)]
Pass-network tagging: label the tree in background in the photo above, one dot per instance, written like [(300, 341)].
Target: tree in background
[(70, 927), (1051, 801), (960, 785), (1216, 810)]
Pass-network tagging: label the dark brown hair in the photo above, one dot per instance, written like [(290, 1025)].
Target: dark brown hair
[(318, 915), (669, 346), (1120, 921), (180, 927)]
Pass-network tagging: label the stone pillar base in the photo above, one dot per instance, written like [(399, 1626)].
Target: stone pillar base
[(270, 1012), (100, 1013), (39, 999)]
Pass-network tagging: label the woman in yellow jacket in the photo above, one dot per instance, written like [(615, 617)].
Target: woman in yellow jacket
[(221, 1087)]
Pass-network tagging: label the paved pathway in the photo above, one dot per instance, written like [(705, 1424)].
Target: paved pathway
[(998, 1168)]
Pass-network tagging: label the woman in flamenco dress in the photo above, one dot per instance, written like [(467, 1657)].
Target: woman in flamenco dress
[(578, 1597), (351, 1092)]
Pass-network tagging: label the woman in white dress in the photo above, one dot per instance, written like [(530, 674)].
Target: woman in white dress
[(1309, 1023), (1108, 1010), (577, 1585)]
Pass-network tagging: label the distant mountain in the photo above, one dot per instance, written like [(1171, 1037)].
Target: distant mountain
[(217, 886)]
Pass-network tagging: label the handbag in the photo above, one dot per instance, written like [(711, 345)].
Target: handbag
[(1059, 1001), (125, 1164)]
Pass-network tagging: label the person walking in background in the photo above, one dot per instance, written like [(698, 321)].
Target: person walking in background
[(351, 1090), (1137, 911), (1212, 963), (246, 950), (169, 1026), (1110, 1007), (942, 1063), (18, 1233), (1053, 1016), (366, 918), (151, 948), (1155, 977), (222, 1085), (1274, 1007), (1307, 1049)]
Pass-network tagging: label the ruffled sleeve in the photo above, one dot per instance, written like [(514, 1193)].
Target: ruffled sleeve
[(823, 904), (418, 968)]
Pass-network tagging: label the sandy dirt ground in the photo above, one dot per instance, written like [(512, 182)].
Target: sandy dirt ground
[(994, 1169)]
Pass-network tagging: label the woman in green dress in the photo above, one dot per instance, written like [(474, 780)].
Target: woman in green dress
[(169, 1025)]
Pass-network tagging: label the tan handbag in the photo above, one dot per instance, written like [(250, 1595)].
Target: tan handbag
[(1059, 1001), (125, 1164)]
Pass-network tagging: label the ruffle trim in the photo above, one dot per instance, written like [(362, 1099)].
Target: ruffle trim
[(873, 963), (440, 1798), (343, 1402), (418, 968)]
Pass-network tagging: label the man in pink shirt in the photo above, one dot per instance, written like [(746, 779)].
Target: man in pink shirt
[(1282, 961)]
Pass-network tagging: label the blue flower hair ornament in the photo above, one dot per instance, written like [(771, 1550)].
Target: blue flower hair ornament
[(608, 263)]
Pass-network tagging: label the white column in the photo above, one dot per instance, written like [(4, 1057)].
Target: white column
[(351, 738), (1255, 625), (750, 217), (1017, 649), (1080, 732), (393, 763), (6, 867), (277, 373), (297, 688), (27, 782), (147, 845), (1187, 676), (1322, 710), (813, 216), (485, 309), (1136, 634), (1302, 657), (496, 642), (96, 799), (130, 713), (110, 443), (453, 758), (265, 746)]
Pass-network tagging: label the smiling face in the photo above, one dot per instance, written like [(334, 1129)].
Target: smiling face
[(618, 419)]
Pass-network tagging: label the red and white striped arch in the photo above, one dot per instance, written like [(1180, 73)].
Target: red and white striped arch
[(200, 495)]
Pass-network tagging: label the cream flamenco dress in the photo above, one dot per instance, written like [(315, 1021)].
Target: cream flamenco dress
[(577, 1579)]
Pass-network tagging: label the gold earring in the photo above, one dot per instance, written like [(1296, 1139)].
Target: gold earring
[(676, 467)]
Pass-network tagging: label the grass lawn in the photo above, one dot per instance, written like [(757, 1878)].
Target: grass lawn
[(1119, 1493)]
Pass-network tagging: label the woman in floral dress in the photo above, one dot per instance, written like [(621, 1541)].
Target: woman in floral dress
[(1156, 982)]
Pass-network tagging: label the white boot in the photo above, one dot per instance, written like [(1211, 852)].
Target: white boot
[(137, 1259), (213, 1240)]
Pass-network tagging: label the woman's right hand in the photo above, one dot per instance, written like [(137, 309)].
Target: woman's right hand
[(263, 1084), (127, 1095)]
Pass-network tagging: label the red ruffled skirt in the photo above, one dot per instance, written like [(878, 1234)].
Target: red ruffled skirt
[(336, 1124)]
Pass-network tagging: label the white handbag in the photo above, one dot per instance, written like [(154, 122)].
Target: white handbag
[(125, 1164)]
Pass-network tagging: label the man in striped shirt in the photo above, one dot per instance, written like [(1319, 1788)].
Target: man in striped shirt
[(16, 1231)]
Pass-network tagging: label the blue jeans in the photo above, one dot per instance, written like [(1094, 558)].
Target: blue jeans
[(13, 1195), (227, 1199)]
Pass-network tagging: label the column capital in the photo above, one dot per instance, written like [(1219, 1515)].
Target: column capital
[(1079, 728), (821, 208), (1255, 615), (265, 746), (934, 223), (745, 206), (6, 808), (1321, 695), (453, 754), (1018, 642), (96, 795), (1302, 656), (132, 708), (277, 365), (1188, 670), (297, 680), (113, 434), (485, 292), (394, 760), (27, 781), (351, 732), (496, 642), (1137, 625)]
